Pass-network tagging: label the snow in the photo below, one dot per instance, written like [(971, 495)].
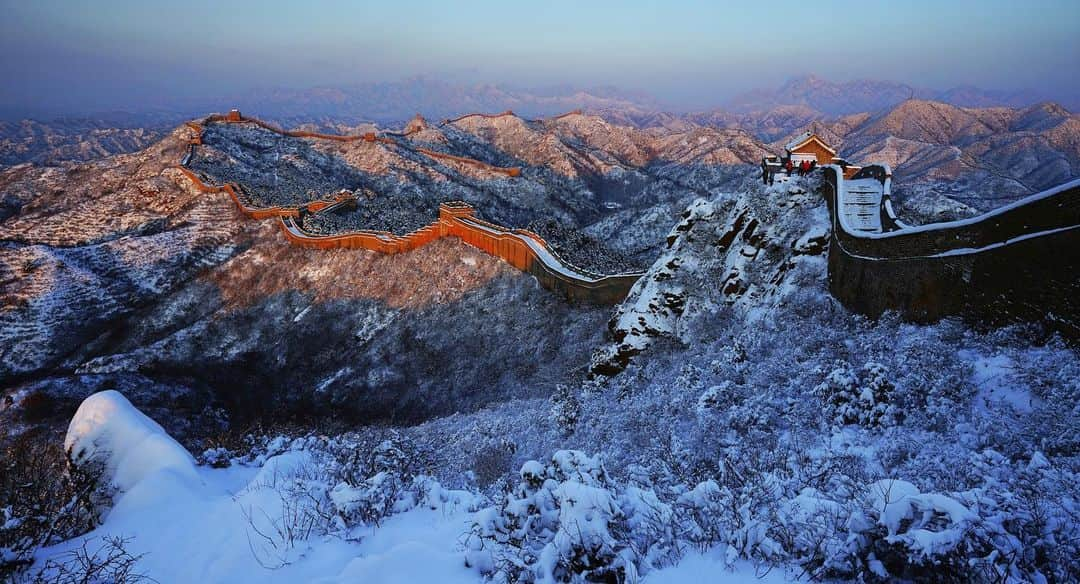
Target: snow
[(108, 430), (841, 187), (890, 498), (418, 546), (1010, 241), (202, 524), (711, 568), (200, 534), (181, 524), (995, 376), (905, 513), (798, 141), (188, 523)]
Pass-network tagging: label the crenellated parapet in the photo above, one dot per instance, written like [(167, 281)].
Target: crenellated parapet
[(1019, 262)]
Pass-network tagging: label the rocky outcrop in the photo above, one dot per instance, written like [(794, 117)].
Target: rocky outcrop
[(742, 252)]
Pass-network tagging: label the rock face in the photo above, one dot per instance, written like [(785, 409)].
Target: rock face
[(741, 253)]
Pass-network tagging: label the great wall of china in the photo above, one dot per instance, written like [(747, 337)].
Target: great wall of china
[(1021, 261), (520, 248)]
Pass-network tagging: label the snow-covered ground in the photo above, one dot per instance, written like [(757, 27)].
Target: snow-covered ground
[(200, 524), (198, 532)]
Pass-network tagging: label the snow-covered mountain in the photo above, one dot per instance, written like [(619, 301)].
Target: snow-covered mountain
[(77, 140), (395, 101), (866, 95), (980, 158)]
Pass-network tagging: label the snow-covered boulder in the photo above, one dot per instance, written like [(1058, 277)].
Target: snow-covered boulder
[(108, 431)]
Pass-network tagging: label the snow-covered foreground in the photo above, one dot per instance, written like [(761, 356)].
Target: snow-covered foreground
[(199, 533), (199, 524), (188, 523)]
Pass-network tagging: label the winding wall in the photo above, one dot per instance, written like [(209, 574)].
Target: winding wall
[(520, 248), (476, 115), (1019, 262)]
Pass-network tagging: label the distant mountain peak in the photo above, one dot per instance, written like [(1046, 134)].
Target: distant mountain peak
[(868, 95)]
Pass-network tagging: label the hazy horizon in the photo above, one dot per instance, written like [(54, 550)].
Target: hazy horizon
[(61, 59)]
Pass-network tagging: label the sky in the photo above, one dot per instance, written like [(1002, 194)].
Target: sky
[(78, 56)]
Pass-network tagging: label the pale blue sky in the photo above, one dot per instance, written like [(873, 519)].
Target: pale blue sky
[(691, 54)]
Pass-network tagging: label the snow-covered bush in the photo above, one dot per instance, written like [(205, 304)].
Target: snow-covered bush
[(216, 457), (48, 494), (740, 518), (108, 431), (567, 520), (339, 486), (371, 485), (898, 532), (890, 530), (718, 397), (373, 499), (565, 408), (866, 398)]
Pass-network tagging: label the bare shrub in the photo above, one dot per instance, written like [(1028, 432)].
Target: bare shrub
[(43, 499), (109, 562), (274, 535), (492, 462)]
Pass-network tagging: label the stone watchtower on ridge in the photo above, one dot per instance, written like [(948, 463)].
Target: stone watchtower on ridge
[(416, 124)]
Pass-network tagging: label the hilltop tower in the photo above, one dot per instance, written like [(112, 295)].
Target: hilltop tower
[(416, 124)]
